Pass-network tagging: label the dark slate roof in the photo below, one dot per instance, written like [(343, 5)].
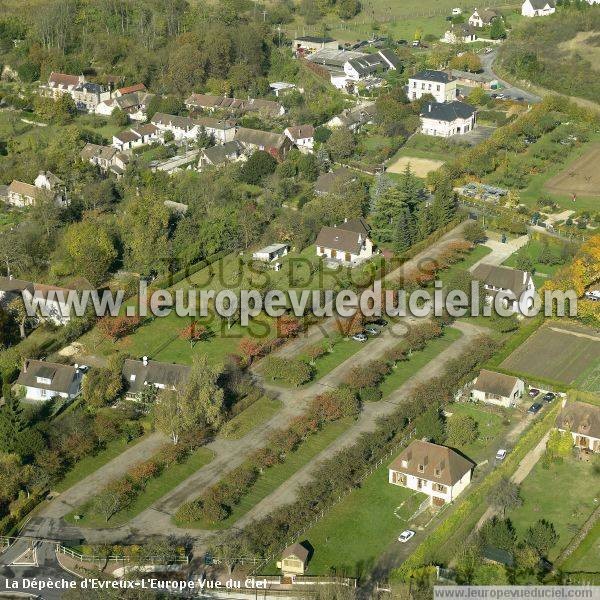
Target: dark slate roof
[(221, 154), (539, 4), (495, 383), (392, 57), (505, 278), (440, 464), (137, 374), (429, 75), (61, 376), (368, 64), (447, 111), (580, 417), (329, 182), (346, 237)]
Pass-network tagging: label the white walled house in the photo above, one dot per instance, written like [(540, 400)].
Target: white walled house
[(437, 83), (45, 380), (514, 285), (25, 194), (497, 388), (538, 8), (582, 421), (483, 17), (448, 118), (136, 136), (458, 34), (186, 128), (347, 243), (435, 470), (303, 136)]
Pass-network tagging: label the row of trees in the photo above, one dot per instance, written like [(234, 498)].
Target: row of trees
[(217, 502)]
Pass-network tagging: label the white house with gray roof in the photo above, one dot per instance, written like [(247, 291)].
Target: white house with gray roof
[(538, 8), (150, 375), (347, 243), (439, 84), (444, 119), (46, 380), (516, 287), (497, 388)]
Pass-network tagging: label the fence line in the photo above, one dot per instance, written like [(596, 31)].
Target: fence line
[(119, 559)]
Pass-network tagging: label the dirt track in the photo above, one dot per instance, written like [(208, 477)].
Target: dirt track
[(580, 177)]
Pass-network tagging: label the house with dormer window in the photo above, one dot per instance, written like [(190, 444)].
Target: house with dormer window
[(148, 375), (348, 243), (435, 470), (46, 380), (582, 421)]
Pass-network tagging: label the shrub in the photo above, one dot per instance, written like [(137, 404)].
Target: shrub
[(370, 394)]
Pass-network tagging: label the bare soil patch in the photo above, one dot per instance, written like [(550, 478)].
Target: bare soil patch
[(580, 177), (421, 167)]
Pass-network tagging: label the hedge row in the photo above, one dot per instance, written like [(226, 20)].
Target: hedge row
[(217, 502)]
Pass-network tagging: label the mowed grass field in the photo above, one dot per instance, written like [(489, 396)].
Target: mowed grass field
[(564, 495), (421, 167), (564, 353), (586, 557), (351, 536)]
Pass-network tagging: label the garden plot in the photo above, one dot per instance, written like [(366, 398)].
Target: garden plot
[(421, 167), (581, 177)]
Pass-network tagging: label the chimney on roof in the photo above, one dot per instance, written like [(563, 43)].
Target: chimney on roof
[(145, 361), (429, 107)]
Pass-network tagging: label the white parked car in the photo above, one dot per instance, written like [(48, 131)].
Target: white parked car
[(406, 535), (456, 11), (501, 454)]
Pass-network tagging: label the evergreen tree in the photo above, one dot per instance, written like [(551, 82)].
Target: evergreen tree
[(387, 210), (11, 423), (403, 231), (423, 224), (444, 204), (410, 188), (382, 184)]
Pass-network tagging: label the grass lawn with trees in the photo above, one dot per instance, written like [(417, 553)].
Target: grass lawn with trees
[(406, 369), (352, 535), (257, 413), (492, 424), (563, 495), (155, 489), (273, 477)]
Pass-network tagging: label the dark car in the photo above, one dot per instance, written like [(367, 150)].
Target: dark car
[(533, 392), (520, 98), (380, 322), (534, 408), (402, 42), (548, 397)]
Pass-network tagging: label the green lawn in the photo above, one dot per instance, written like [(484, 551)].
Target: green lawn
[(563, 495), (406, 369), (155, 489), (586, 557), (491, 425), (258, 412), (532, 250), (343, 348), (352, 535), (536, 189), (86, 466), (275, 476), (425, 146)]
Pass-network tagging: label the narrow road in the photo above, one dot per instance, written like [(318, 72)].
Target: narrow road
[(487, 61), (500, 252)]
